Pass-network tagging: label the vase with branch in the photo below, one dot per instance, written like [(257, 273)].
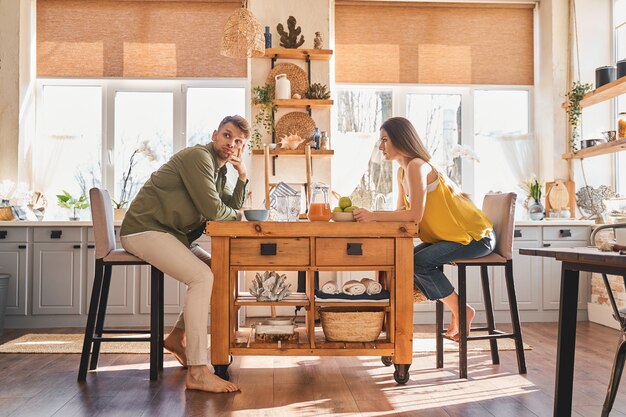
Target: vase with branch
[(533, 189), (128, 184), (262, 97), (66, 200), (574, 111)]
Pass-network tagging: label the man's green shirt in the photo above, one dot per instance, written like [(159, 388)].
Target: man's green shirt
[(183, 194)]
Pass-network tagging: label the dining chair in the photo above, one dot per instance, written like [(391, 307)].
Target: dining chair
[(500, 209), (620, 316), (107, 256)]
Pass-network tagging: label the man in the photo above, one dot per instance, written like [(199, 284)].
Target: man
[(169, 213)]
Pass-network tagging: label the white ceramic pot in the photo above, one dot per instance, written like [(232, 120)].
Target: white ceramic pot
[(283, 87)]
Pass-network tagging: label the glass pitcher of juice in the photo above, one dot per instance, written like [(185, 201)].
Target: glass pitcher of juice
[(319, 207)]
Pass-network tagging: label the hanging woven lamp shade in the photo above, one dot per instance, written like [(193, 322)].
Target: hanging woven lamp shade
[(243, 35)]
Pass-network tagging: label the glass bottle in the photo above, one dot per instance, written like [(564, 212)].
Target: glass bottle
[(268, 37), (621, 125), (324, 145), (319, 207), (316, 138)]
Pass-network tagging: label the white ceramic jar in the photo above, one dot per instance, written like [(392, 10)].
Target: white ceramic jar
[(283, 87)]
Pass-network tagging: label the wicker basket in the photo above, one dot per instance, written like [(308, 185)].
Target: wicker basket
[(354, 325), (6, 214)]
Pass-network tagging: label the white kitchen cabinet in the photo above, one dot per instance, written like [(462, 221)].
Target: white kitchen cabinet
[(562, 237), (58, 270), (14, 255)]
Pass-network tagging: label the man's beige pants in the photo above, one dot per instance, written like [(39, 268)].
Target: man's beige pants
[(191, 266)]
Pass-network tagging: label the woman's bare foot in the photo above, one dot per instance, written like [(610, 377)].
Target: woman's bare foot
[(453, 329), (175, 343), (200, 378)]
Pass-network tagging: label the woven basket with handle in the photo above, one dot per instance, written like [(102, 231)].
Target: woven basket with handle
[(361, 324)]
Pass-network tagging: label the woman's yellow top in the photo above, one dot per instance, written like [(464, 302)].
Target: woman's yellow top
[(450, 217)]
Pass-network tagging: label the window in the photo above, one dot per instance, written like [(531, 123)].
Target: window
[(96, 133), (478, 136)]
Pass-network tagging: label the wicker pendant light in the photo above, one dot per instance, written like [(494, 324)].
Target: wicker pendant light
[(243, 35)]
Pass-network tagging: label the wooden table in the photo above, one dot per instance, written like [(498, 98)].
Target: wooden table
[(573, 260), (385, 247)]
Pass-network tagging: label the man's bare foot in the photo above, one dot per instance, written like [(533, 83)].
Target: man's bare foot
[(200, 378), (174, 342), (454, 333)]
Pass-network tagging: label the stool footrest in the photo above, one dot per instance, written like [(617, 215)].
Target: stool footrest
[(126, 331), (491, 336), (121, 339)]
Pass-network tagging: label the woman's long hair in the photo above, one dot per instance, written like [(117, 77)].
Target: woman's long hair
[(405, 139)]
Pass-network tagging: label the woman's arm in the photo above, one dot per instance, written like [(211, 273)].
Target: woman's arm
[(417, 173)]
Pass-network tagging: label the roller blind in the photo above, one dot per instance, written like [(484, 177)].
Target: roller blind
[(134, 39), (434, 43)]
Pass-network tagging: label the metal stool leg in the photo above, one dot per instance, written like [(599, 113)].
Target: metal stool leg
[(517, 329), (462, 323), (91, 320), (439, 332), (491, 323), (616, 375), (161, 318), (154, 323), (102, 309)]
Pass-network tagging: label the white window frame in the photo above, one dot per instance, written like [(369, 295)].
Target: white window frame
[(112, 86), (399, 100)]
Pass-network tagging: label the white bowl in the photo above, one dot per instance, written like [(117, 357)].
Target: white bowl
[(257, 215), (342, 216)]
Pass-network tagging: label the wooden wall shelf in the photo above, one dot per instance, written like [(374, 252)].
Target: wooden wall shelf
[(317, 104), (602, 149), (606, 92), (287, 53)]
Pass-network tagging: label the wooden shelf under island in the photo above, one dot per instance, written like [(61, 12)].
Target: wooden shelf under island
[(289, 53), (602, 149), (295, 300)]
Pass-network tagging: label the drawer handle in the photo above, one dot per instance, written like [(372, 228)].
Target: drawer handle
[(517, 233), (21, 246), (565, 233), (91, 246), (547, 245), (76, 246), (268, 249), (355, 249), (56, 234), (3, 234)]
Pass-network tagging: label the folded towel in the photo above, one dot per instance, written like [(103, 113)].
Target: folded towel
[(330, 287), (371, 286), (353, 287)]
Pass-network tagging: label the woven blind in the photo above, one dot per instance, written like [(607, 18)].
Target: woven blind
[(434, 43), (135, 39)]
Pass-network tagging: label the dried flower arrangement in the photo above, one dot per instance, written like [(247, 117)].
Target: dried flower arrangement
[(317, 91)]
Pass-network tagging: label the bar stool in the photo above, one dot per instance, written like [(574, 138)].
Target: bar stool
[(500, 209), (108, 256)]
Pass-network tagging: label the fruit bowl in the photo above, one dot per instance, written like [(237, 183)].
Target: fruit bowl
[(342, 216)]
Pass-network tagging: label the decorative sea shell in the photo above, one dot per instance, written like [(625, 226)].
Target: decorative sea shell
[(270, 286), (296, 96), (290, 141)]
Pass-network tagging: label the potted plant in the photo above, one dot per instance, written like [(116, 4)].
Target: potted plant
[(574, 111), (262, 97), (533, 204), (66, 200)]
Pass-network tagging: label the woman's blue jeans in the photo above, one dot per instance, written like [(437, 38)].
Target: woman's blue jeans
[(428, 258)]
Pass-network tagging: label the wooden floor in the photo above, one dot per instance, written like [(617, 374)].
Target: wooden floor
[(45, 385)]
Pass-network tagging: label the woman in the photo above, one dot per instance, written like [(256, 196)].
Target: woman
[(451, 227)]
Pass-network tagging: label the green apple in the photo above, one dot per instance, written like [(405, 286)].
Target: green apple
[(350, 209), (345, 202), (337, 210)]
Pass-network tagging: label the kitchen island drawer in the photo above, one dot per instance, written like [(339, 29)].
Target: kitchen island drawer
[(261, 252), (57, 234), (353, 251), (13, 234), (526, 233), (566, 233)]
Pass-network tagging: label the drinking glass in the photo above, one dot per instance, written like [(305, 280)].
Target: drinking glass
[(282, 208), (294, 205)]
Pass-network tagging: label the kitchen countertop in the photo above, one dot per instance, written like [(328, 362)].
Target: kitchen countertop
[(555, 222)]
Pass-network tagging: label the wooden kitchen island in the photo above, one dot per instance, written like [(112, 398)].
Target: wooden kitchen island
[(385, 247)]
